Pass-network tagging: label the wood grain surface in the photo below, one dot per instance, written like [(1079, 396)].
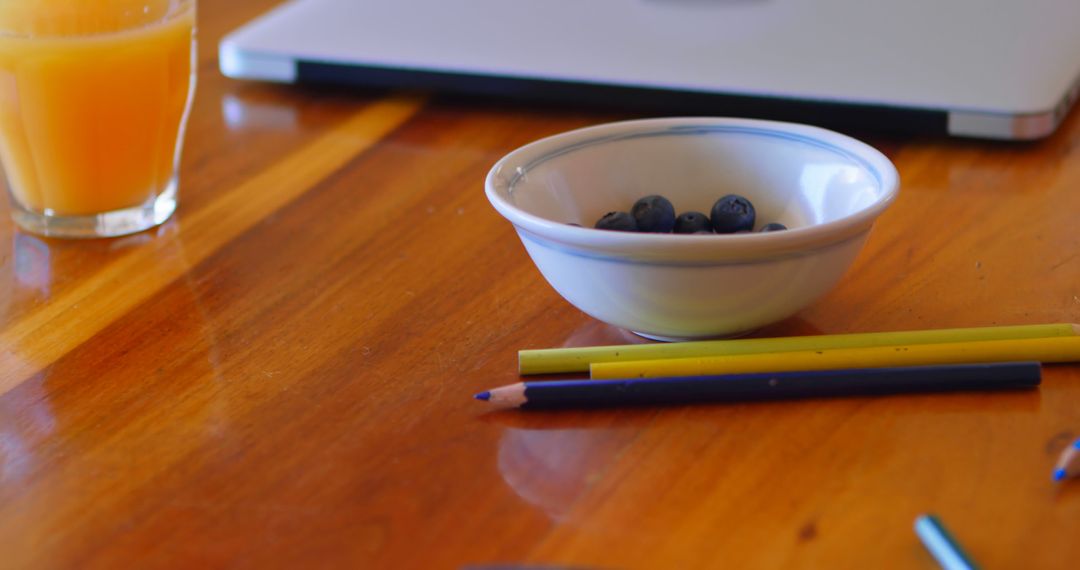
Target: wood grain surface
[(281, 375)]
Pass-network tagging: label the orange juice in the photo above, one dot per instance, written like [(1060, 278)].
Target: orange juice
[(93, 99)]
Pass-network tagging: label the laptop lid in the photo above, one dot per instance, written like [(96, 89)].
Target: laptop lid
[(978, 68)]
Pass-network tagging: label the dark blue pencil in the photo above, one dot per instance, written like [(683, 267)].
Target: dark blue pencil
[(765, 386)]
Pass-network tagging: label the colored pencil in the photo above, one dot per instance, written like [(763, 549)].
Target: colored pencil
[(941, 544), (748, 387), (1068, 464), (1061, 349), (560, 360)]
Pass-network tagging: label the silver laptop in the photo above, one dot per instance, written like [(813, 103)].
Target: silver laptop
[(1002, 69)]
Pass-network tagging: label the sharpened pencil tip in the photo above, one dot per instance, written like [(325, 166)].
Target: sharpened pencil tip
[(1059, 474), (485, 396)]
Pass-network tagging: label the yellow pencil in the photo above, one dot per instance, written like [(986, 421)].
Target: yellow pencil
[(558, 360), (1059, 349)]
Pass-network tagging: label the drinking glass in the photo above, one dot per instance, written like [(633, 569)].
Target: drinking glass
[(94, 99)]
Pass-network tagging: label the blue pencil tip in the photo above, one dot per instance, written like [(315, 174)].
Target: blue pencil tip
[(1059, 474), (485, 396)]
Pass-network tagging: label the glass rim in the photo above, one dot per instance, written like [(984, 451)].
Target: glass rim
[(21, 19)]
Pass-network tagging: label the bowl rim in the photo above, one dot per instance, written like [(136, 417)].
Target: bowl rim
[(675, 247)]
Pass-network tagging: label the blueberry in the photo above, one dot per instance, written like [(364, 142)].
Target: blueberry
[(654, 214), (731, 214), (772, 227), (618, 221), (692, 223)]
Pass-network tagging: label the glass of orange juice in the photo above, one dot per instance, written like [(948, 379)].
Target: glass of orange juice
[(94, 98)]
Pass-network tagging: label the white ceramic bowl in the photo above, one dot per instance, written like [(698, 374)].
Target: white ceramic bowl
[(826, 187)]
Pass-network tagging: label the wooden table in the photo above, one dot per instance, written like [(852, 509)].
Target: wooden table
[(282, 374)]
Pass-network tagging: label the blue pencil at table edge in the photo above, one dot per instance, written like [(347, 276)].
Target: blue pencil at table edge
[(1068, 464), (942, 545), (587, 393)]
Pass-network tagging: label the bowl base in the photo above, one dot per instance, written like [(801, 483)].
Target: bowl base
[(663, 338)]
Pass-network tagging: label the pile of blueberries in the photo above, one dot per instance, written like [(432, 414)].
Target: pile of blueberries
[(730, 214)]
